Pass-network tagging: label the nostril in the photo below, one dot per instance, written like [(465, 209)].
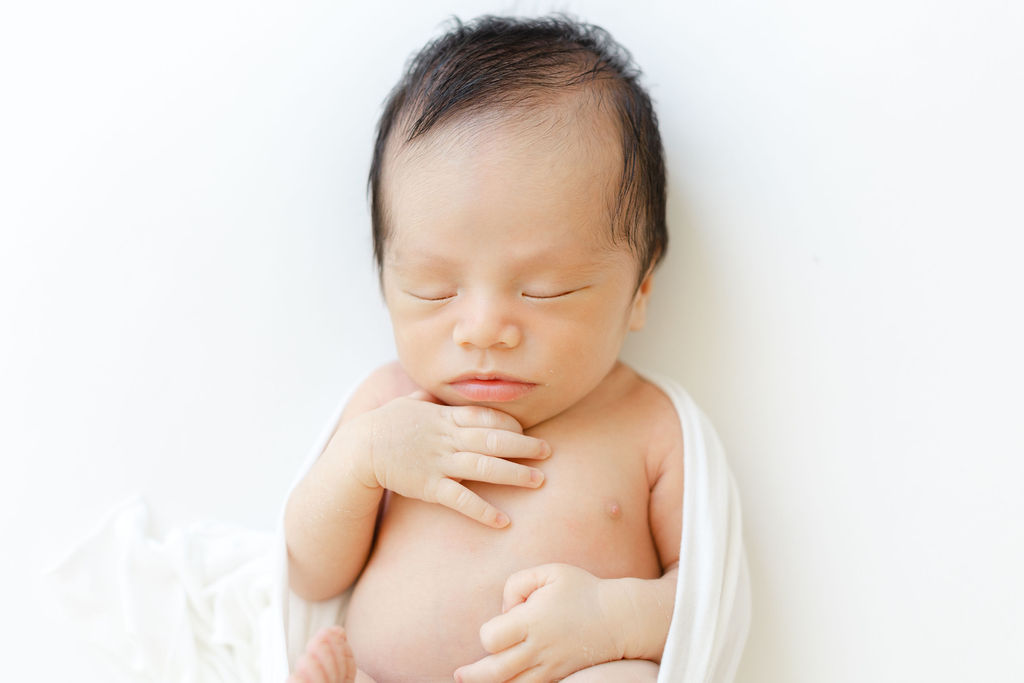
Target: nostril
[(483, 323)]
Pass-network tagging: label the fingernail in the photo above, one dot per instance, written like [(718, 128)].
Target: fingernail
[(536, 477), (501, 519)]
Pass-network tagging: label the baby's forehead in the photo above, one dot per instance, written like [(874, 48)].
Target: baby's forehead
[(546, 176), (416, 251), (575, 119)]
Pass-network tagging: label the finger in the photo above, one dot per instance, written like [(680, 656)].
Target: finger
[(520, 585), (476, 467), (456, 496), (497, 667), (535, 674), (422, 395), (501, 443), (503, 631), (480, 416)]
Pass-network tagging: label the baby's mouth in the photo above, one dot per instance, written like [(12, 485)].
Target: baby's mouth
[(491, 388)]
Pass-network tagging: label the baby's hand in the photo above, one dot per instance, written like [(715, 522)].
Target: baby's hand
[(556, 619), (423, 450)]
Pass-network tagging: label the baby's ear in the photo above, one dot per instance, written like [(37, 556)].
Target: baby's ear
[(638, 313)]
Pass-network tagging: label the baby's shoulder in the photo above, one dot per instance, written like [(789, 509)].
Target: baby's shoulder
[(645, 402), (656, 420)]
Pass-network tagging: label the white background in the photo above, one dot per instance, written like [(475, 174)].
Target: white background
[(186, 291)]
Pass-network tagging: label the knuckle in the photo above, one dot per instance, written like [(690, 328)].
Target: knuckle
[(540, 676), (431, 491), (492, 441), (506, 422), (459, 416), (464, 499), (563, 571), (488, 637), (514, 578), (484, 467)]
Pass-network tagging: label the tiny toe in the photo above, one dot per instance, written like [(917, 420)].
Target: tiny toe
[(311, 666), (325, 655), (305, 670), (343, 656), (324, 635), (327, 659)]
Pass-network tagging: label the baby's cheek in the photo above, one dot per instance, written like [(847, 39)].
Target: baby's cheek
[(416, 346)]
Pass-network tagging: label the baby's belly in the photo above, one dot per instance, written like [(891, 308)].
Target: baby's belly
[(435, 577)]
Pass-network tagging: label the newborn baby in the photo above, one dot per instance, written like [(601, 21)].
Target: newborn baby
[(505, 500)]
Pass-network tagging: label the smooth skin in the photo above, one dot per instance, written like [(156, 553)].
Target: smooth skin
[(500, 263)]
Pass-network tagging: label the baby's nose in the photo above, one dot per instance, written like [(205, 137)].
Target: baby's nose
[(485, 324)]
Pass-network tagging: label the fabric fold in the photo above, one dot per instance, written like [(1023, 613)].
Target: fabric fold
[(193, 605)]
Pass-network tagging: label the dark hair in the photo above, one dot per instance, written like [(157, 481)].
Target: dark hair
[(500, 62)]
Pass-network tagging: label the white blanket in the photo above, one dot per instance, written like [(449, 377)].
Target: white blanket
[(211, 602), (191, 606)]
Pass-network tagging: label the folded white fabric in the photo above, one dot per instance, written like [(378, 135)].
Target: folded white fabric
[(711, 616), (210, 602), (191, 607)]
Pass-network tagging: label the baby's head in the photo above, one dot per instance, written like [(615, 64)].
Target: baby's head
[(518, 204)]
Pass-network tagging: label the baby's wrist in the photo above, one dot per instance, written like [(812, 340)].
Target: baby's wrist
[(351, 449), (638, 617), (615, 602)]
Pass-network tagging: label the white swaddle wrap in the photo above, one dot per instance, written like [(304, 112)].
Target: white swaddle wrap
[(711, 616), (210, 602)]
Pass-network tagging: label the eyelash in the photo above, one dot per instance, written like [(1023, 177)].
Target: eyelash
[(432, 299), (523, 294), (552, 296)]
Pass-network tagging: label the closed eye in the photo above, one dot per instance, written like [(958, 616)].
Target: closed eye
[(559, 295), (423, 297)]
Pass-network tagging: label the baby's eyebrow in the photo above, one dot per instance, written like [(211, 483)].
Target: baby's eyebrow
[(542, 263), (418, 260)]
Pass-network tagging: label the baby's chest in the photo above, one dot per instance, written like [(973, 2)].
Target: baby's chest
[(591, 510)]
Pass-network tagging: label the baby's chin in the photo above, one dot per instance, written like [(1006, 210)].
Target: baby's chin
[(528, 414)]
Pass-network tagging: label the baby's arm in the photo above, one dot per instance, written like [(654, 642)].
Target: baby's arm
[(330, 516), (645, 606), (408, 444)]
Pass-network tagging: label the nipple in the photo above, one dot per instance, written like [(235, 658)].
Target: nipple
[(613, 509)]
